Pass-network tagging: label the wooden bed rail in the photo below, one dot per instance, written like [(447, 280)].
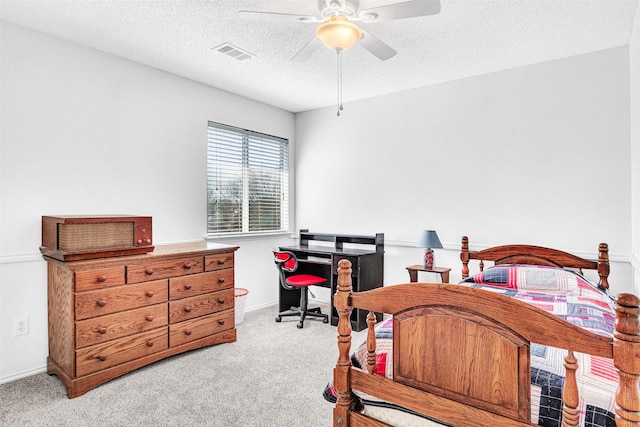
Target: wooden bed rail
[(624, 349)]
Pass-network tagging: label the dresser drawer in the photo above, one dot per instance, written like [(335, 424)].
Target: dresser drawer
[(106, 328), (98, 279), (218, 262), (188, 308), (112, 353), (162, 270), (107, 301), (182, 287), (201, 327)]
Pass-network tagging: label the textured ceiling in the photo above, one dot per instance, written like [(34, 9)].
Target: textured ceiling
[(467, 38)]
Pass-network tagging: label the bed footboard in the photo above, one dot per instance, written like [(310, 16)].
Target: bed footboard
[(474, 317)]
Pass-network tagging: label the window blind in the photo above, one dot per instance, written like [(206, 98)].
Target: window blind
[(247, 181)]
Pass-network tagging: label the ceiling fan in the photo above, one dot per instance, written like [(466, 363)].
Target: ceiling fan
[(337, 30)]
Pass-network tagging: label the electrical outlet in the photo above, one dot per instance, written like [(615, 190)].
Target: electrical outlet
[(20, 326)]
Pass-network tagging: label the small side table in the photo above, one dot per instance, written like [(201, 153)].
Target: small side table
[(442, 271)]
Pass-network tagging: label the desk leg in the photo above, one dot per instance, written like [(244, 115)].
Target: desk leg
[(289, 298)]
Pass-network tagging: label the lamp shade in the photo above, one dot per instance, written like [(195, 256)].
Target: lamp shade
[(429, 239), (337, 33)]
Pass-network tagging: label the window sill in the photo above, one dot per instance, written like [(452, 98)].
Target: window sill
[(249, 236)]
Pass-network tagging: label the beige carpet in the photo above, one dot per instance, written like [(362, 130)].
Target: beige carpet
[(274, 375)]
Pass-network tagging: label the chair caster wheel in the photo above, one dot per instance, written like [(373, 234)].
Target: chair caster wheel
[(300, 325), (278, 318), (325, 320)]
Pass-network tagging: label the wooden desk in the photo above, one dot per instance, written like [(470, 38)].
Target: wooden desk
[(442, 271), (366, 254)]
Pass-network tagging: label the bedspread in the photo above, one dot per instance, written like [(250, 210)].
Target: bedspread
[(563, 293)]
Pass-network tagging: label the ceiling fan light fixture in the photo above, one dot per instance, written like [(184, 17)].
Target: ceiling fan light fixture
[(337, 33)]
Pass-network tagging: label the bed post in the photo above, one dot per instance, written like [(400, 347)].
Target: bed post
[(603, 265), (371, 342), (570, 396), (626, 358), (342, 371), (464, 257)]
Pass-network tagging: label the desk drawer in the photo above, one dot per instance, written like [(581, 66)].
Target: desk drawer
[(191, 330), (112, 300), (106, 328), (188, 286), (112, 353), (188, 308), (162, 270)]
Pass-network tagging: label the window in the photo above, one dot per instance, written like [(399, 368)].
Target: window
[(247, 181)]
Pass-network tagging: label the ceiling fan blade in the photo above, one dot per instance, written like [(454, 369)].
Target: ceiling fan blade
[(304, 53), (376, 46), (404, 10), (272, 16)]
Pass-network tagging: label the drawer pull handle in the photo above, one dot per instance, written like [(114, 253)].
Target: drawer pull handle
[(150, 343), (102, 278), (149, 294), (188, 332), (101, 302), (149, 318), (187, 266), (221, 300), (187, 309), (102, 357), (221, 280), (187, 287), (102, 330), (221, 321), (149, 271), (221, 261)]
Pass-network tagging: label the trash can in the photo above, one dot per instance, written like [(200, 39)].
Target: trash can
[(240, 298)]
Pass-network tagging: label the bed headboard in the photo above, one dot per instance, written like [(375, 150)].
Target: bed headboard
[(536, 255)]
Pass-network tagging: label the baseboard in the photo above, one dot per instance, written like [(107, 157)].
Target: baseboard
[(23, 374), (258, 307)]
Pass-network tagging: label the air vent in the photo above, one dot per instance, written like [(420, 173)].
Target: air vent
[(234, 51)]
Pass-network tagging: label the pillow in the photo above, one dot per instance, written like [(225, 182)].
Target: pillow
[(534, 278)]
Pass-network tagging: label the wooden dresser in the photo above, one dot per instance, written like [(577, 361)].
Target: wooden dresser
[(109, 316)]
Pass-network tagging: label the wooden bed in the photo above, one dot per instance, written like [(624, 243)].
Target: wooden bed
[(479, 372)]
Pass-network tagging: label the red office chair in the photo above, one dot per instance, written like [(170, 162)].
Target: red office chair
[(288, 263)]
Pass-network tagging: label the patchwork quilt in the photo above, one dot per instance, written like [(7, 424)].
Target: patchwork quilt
[(561, 292)]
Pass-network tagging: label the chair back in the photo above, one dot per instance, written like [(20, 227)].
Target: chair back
[(287, 263), (285, 260)]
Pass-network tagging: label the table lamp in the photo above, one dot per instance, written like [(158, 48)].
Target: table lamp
[(429, 240)]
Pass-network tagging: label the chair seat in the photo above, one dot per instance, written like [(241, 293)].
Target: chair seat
[(301, 280)]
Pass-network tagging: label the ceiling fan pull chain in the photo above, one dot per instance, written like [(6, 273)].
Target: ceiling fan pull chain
[(339, 82)]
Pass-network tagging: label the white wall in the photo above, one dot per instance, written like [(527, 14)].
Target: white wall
[(83, 132), (634, 50), (538, 155)]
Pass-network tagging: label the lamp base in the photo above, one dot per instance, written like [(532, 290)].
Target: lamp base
[(428, 259)]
